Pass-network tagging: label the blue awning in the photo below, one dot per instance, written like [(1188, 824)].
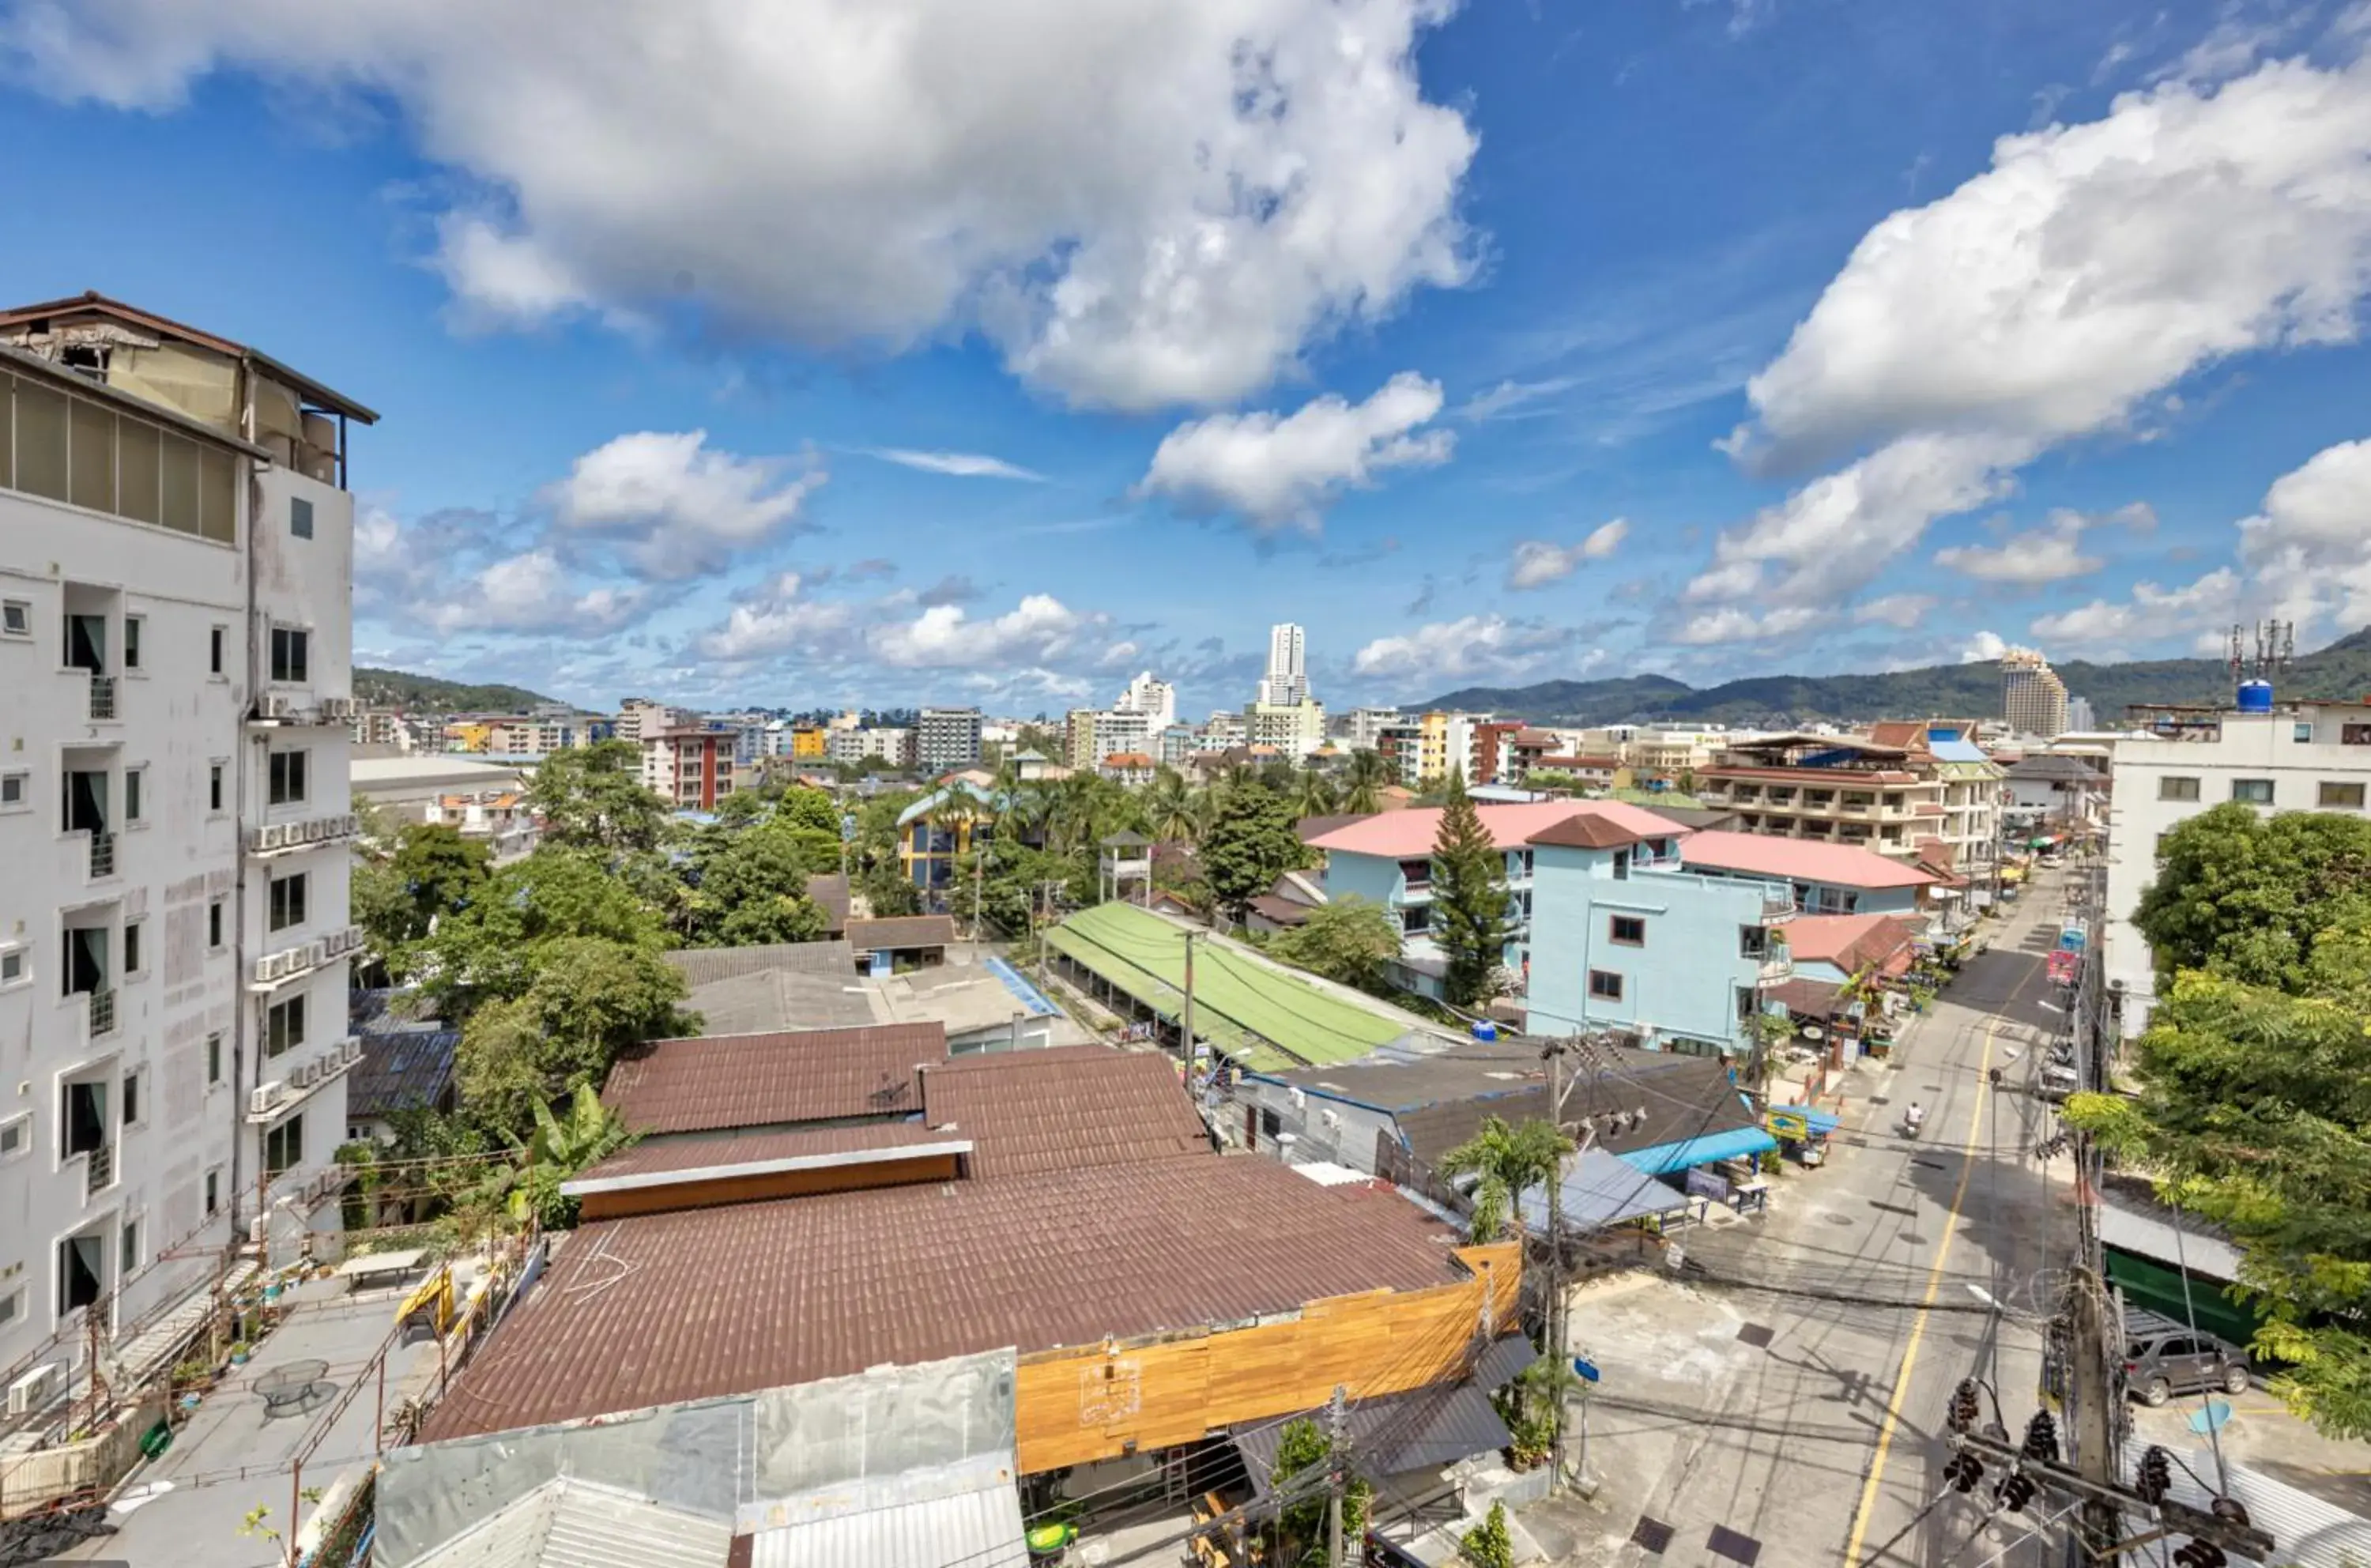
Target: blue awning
[(1819, 1121), (1662, 1159)]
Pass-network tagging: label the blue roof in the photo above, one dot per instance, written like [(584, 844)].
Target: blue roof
[(1663, 1158), (1026, 994), (1948, 747)]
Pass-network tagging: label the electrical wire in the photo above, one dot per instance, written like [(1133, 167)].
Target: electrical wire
[(2205, 1396)]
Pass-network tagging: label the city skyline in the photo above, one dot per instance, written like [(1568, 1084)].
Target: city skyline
[(1525, 417)]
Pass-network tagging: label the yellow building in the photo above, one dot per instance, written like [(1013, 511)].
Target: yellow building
[(468, 736), (810, 741)]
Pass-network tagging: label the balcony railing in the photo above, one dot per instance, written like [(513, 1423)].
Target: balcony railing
[(1778, 904), (102, 854), (1777, 965), (102, 696), (98, 1173), (102, 1012)]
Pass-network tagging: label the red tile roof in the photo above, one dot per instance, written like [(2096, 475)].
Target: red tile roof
[(1406, 835), (1851, 942), (1799, 859), (704, 1303), (1587, 830), (757, 1080), (1063, 1108)]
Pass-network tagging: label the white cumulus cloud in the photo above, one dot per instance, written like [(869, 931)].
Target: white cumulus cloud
[(534, 592), (1537, 562), (1902, 610), (2309, 550), (1730, 624), (1469, 646), (1140, 202), (1282, 471), (1041, 628), (1985, 648), (2090, 268), (2150, 613), (2048, 554), (677, 507), (778, 617)]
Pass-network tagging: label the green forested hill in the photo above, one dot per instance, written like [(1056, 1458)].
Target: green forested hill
[(398, 689)]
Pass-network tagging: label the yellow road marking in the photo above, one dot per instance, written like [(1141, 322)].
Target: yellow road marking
[(1934, 1285)]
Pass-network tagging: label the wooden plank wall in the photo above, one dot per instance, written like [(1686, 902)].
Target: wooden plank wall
[(1079, 1406)]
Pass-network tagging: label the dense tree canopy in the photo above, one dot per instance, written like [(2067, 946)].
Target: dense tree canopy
[(592, 798), (1348, 940), (2250, 895), (588, 1000), (1250, 843), (400, 889)]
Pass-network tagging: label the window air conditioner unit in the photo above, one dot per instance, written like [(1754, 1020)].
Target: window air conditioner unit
[(264, 1096), (273, 705), (267, 969), (352, 823), (305, 1074), (36, 1390), (270, 837), (312, 955), (353, 1049)]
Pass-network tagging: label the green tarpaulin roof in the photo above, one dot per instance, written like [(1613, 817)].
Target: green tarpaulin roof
[(1267, 1021)]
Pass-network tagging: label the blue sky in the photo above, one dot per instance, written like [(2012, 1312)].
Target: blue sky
[(817, 351)]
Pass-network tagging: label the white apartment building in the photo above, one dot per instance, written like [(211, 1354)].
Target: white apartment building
[(947, 738), (690, 766), (1362, 728), (2034, 700), (637, 717), (1295, 729), (2308, 757), (894, 746), (1287, 682), (176, 579), (1156, 700)]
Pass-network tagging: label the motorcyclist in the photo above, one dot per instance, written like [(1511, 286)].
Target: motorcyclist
[(1917, 1114)]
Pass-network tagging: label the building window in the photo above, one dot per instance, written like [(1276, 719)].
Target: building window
[(283, 1027), (287, 902), (300, 517), (2342, 796), (214, 787), (15, 792), (16, 1136), (2171, 789), (12, 1304), (2302, 733), (15, 618), (290, 648), (215, 925), (131, 627), (13, 969), (131, 1099), (135, 808), (128, 1256), (1605, 985), (214, 1060), (133, 960), (1626, 930), (283, 1147), (213, 1193), (2355, 734), (288, 780), (2252, 791), (217, 648)]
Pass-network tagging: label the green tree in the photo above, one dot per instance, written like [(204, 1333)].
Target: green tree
[(1249, 844), (1312, 792), (1369, 774), (1489, 1544), (430, 871), (752, 887), (812, 809), (1508, 1160), (592, 798), (2255, 1112), (2249, 896), (1303, 1452), (588, 1000), (493, 947), (1168, 806), (887, 893), (1469, 900), (1349, 939), (564, 1145)]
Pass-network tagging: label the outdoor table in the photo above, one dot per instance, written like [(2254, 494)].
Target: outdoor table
[(382, 1268), (1750, 1196), (288, 1385)]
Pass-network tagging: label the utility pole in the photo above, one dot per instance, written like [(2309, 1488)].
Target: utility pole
[(1338, 1435), (1185, 1013), (1555, 1051), (2093, 1401)]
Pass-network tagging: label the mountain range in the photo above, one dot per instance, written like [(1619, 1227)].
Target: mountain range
[(401, 688), (1959, 691)]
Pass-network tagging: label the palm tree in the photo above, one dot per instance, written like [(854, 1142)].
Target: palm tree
[(1168, 806), (1312, 792), (1508, 1160), (1363, 785)]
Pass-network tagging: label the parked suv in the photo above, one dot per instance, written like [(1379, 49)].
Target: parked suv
[(2163, 1358)]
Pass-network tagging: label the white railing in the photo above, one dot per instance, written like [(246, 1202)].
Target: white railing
[(102, 696)]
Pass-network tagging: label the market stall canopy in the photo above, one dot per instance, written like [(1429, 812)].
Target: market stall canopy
[(1601, 1189)]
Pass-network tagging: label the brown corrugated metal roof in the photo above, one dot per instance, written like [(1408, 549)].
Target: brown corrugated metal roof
[(830, 892), (903, 931), (707, 1151), (1062, 1108), (757, 1080), (706, 1303), (1684, 1097), (705, 966)]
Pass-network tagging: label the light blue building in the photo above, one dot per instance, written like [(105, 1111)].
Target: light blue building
[(1625, 939), (1826, 879)]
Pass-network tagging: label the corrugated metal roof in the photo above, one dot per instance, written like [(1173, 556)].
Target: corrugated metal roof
[(406, 1069), (757, 1080), (907, 1520), (1063, 1108), (2305, 1529), (900, 933), (569, 1523), (1395, 1433), (1601, 1189), (703, 1303), (703, 966), (700, 1151)]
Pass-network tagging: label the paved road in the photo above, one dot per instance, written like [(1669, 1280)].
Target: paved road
[(1822, 1445)]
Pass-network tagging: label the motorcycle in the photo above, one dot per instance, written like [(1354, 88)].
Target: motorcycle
[(1912, 1120)]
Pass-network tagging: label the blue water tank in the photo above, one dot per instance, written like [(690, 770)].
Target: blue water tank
[(2255, 696), (1484, 1030)]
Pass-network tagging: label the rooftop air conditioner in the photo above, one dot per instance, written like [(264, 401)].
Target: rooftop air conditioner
[(264, 1096), (273, 705), (312, 955), (36, 1390), (308, 1074), (272, 838), (350, 1050), (267, 969)]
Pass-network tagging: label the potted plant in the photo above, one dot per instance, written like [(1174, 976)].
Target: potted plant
[(238, 1353)]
